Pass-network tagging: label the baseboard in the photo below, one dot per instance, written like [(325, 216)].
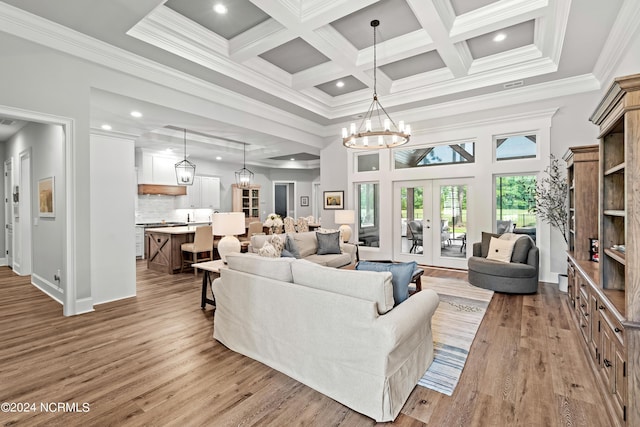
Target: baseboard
[(83, 305), (48, 288), (116, 299)]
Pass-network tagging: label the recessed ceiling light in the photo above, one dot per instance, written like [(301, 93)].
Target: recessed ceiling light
[(220, 8), (499, 37), (218, 158), (292, 159), (169, 150), (106, 127), (340, 83), (136, 114)]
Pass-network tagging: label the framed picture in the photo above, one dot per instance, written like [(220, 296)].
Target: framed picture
[(333, 199), (46, 198), (304, 200)]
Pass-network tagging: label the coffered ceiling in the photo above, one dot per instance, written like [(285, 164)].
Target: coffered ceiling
[(291, 54)]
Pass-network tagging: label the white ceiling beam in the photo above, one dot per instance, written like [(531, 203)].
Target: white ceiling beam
[(428, 15), (259, 39), (317, 75)]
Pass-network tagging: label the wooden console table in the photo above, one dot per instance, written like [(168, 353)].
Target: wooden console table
[(209, 268)]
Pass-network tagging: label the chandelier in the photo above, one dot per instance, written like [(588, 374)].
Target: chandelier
[(244, 177), (377, 130), (185, 170)]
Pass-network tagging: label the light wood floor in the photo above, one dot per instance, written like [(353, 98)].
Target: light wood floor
[(151, 360)]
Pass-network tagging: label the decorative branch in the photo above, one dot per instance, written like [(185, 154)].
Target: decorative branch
[(551, 197)]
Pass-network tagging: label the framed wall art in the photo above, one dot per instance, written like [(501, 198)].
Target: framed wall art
[(333, 199), (46, 198), (304, 200)]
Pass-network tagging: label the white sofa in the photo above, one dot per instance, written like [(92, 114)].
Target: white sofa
[(307, 244), (335, 330)]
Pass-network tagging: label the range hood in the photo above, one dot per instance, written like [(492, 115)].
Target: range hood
[(167, 190)]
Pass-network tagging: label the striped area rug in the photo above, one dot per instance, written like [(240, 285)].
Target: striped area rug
[(454, 325)]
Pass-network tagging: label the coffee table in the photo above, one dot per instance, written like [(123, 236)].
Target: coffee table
[(209, 268)]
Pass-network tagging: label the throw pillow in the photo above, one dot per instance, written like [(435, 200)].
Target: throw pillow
[(401, 274), (286, 254), (291, 247), (486, 239), (501, 249), (268, 251), (328, 243), (277, 243), (521, 249)]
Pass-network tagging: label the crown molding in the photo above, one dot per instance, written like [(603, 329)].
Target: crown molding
[(626, 26), (522, 95)]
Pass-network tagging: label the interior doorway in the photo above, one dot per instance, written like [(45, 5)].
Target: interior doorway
[(8, 211), (284, 196), (22, 261)]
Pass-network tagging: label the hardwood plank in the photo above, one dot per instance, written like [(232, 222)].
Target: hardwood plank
[(152, 360)]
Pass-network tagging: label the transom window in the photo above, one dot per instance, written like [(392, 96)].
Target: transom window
[(516, 147), (438, 155)]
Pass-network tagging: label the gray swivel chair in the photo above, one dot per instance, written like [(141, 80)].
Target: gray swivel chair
[(520, 276)]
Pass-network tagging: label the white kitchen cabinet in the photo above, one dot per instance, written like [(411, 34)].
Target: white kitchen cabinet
[(203, 194), (140, 242), (156, 169), (210, 192)]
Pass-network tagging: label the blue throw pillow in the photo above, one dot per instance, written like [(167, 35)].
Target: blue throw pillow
[(401, 274), (286, 254), (291, 247)]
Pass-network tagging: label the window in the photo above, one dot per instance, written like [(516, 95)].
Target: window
[(516, 147), (368, 162), (368, 218), (514, 199), (438, 155), (453, 221)]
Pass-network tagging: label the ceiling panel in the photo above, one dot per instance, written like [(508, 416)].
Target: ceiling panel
[(413, 65), (294, 56), (516, 36), (395, 16), (241, 15), (461, 7), (351, 84)]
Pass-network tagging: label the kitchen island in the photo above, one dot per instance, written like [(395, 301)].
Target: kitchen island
[(163, 247)]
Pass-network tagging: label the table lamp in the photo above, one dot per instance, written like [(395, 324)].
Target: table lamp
[(344, 218), (228, 224)]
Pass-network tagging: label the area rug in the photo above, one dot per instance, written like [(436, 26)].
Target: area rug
[(454, 325)]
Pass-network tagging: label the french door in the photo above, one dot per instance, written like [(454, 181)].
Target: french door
[(430, 222)]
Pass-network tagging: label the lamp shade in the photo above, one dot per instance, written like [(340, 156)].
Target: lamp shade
[(228, 223), (345, 217)]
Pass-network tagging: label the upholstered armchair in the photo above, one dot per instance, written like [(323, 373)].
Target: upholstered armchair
[(519, 276)]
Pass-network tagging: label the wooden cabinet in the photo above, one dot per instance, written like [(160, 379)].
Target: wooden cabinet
[(247, 200), (618, 282), (582, 176)]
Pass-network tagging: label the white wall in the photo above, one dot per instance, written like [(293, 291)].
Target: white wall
[(113, 268), (47, 234)]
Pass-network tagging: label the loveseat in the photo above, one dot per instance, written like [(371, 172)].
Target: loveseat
[(335, 330), (519, 276), (307, 246)]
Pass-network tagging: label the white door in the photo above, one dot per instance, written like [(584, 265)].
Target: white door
[(413, 222), (22, 260), (8, 212), (430, 222)]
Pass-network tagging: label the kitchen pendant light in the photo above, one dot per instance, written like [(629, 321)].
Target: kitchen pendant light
[(244, 177), (185, 170), (377, 130)]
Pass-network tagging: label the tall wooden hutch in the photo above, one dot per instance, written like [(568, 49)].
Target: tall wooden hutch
[(607, 294)]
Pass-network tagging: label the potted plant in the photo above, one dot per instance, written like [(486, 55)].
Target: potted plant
[(550, 195)]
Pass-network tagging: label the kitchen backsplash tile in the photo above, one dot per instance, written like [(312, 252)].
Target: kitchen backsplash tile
[(155, 208)]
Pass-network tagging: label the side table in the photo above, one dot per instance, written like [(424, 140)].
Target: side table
[(209, 268)]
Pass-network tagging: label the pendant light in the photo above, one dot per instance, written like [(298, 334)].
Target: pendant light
[(377, 130), (185, 170), (244, 177)]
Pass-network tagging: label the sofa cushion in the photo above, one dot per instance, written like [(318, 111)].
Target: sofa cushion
[(258, 241), (501, 249), (490, 267), (368, 285), (328, 243), (290, 246), (401, 274), (486, 239), (306, 243), (273, 268), (286, 254), (335, 260)]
